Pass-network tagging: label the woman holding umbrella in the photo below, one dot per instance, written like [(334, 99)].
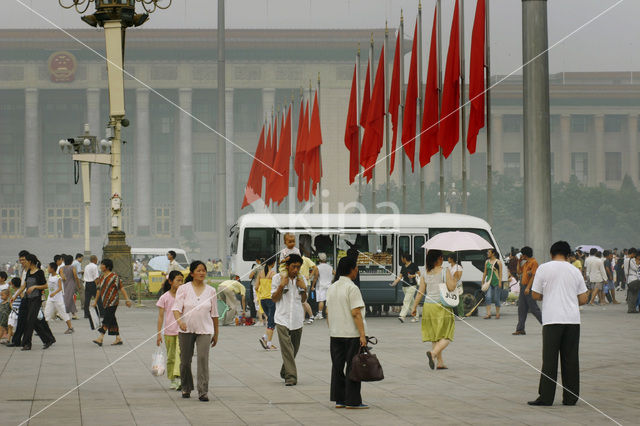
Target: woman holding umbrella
[(438, 323)]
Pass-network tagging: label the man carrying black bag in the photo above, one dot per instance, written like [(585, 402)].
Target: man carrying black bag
[(347, 327)]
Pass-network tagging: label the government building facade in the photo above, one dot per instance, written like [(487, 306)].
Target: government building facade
[(50, 86)]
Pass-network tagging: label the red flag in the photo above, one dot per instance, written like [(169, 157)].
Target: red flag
[(313, 147), (253, 190), (299, 166), (366, 97), (351, 130), (394, 100), (269, 155), (476, 77), (411, 104), (449, 132), (279, 178), (373, 133), (429, 132)]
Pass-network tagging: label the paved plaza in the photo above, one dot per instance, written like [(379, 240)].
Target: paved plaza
[(484, 384)]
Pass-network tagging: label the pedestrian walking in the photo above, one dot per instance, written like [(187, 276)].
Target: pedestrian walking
[(21, 312), (289, 293), (70, 282), (438, 324), (35, 283), (493, 274), (168, 326), (597, 276), (196, 312), (77, 264), (55, 302), (409, 276), (91, 275), (265, 277), (348, 330), (562, 290), (632, 275), (609, 267), (527, 270), (110, 285), (173, 263), (325, 276)]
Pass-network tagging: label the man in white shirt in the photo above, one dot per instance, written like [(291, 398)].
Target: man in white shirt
[(562, 290), (289, 295), (91, 275), (347, 327), (596, 274), (173, 264), (632, 276)]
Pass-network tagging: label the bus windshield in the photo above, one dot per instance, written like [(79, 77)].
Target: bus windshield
[(258, 243)]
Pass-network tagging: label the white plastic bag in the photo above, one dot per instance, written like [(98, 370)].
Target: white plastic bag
[(158, 362), (94, 318)]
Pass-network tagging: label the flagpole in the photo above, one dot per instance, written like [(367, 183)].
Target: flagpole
[(386, 112), (290, 201), (373, 172), (487, 45), (401, 115), (463, 120), (309, 123), (439, 14), (422, 174), (358, 106), (319, 196)]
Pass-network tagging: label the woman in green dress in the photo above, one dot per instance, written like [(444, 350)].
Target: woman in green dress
[(438, 323)]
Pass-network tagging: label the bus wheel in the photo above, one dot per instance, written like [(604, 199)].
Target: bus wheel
[(469, 301)]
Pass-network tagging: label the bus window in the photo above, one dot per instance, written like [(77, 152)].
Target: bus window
[(258, 242), (312, 245), (234, 242), (375, 251), (404, 245), (418, 251)]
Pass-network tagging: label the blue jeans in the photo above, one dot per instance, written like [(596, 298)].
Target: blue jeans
[(493, 296), (269, 308)]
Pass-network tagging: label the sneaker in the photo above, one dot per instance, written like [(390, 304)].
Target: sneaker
[(357, 407), (319, 316), (273, 348), (414, 319), (309, 321), (174, 384), (69, 331), (401, 319), (340, 405)]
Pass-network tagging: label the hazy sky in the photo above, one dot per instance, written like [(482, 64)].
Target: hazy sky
[(607, 44)]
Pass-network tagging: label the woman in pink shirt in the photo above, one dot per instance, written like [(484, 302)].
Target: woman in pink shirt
[(196, 312), (170, 330)]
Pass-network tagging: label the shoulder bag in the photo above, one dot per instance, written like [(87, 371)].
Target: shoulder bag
[(365, 366), (449, 299), (487, 282)]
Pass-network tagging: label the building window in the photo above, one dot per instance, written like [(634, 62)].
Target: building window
[(10, 222), (247, 110), (205, 109), (579, 123), (512, 164), (479, 167), (512, 123), (613, 123), (613, 166), (162, 220), (63, 221), (580, 166)]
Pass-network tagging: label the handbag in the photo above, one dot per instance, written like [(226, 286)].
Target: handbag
[(94, 318), (158, 362), (365, 367), (487, 282)]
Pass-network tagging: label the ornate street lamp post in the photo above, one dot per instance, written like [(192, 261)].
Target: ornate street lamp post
[(115, 16)]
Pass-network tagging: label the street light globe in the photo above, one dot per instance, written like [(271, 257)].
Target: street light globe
[(62, 143), (86, 142)]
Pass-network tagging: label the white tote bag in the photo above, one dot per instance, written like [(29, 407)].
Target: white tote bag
[(450, 299)]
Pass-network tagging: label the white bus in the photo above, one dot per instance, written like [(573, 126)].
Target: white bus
[(380, 239)]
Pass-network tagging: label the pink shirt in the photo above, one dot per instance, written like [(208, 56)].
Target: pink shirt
[(170, 324), (197, 311)]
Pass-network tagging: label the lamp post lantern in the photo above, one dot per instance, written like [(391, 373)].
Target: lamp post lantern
[(115, 16)]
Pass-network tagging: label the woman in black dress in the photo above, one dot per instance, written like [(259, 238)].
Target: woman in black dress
[(35, 283)]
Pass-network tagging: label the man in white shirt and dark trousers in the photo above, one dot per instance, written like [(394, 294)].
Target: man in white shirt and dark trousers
[(91, 275), (288, 295), (561, 288), (347, 327), (632, 276)]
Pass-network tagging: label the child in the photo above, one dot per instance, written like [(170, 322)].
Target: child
[(5, 309), (165, 315), (290, 248), (55, 300), (15, 308), (3, 281)]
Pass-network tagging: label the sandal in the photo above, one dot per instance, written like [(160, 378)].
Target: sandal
[(97, 342), (498, 316), (487, 317), (442, 367), (432, 365), (119, 342)]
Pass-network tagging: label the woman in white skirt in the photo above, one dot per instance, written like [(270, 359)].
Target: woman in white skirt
[(55, 301)]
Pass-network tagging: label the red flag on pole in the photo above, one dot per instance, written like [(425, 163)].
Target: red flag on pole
[(429, 137), (299, 162), (313, 147), (279, 178), (374, 131), (449, 132), (351, 130), (270, 153), (366, 97), (394, 100), (253, 190), (411, 103), (476, 77)]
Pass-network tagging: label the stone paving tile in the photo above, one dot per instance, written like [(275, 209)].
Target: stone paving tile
[(485, 385)]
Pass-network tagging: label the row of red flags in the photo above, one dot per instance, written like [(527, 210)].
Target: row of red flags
[(272, 157), (440, 126)]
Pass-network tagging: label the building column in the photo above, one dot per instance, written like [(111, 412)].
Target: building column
[(143, 163), (496, 144), (596, 157), (184, 209), (563, 164), (32, 165), (632, 167), (268, 102), (229, 159), (96, 212)]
